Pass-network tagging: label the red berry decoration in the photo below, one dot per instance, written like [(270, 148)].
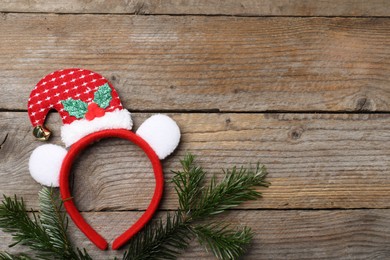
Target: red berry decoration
[(94, 111)]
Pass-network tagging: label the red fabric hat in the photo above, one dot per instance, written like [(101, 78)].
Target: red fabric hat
[(85, 100)]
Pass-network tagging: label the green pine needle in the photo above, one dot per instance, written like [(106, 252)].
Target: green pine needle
[(222, 241), (46, 234), (236, 187), (54, 221), (188, 183), (14, 219), (197, 202), (81, 254), (160, 240), (8, 256)]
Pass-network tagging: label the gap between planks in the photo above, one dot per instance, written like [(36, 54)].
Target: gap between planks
[(348, 8)]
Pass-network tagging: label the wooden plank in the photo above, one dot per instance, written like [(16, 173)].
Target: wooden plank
[(205, 63), (296, 234), (204, 7), (314, 160)]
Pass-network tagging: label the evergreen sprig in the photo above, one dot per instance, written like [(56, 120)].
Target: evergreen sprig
[(188, 183), (54, 221), (198, 202), (160, 240), (236, 187), (8, 256), (224, 241), (46, 233), (14, 219)]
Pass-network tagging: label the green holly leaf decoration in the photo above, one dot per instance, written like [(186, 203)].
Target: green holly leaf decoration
[(76, 108), (103, 96)]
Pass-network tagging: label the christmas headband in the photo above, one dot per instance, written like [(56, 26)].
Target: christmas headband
[(91, 110)]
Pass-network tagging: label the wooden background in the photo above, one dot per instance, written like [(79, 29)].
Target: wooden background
[(302, 86)]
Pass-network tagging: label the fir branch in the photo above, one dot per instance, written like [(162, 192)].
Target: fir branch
[(46, 234), (8, 256), (222, 241), (166, 240), (54, 221), (188, 183), (236, 187), (82, 254), (160, 240), (14, 219)]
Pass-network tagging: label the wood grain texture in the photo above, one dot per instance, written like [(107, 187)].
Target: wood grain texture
[(330, 193), (295, 234), (206, 7), (205, 63), (314, 161)]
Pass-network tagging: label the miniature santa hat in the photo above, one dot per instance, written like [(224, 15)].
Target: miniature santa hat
[(87, 103), (85, 100)]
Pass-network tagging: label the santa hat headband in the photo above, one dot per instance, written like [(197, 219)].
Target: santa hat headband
[(90, 109)]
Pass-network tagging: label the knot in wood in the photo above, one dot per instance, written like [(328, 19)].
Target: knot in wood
[(363, 104), (296, 133)]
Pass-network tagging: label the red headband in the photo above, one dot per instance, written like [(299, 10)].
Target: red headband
[(91, 110), (66, 196)]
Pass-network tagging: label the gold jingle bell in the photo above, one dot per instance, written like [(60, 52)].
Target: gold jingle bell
[(41, 133)]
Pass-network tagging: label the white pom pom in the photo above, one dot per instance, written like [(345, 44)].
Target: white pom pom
[(45, 164), (161, 133)]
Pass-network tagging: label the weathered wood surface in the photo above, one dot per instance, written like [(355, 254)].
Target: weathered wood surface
[(207, 7), (330, 193), (314, 161), (205, 63), (291, 234)]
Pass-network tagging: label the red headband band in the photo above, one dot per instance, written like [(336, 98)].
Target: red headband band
[(66, 196)]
